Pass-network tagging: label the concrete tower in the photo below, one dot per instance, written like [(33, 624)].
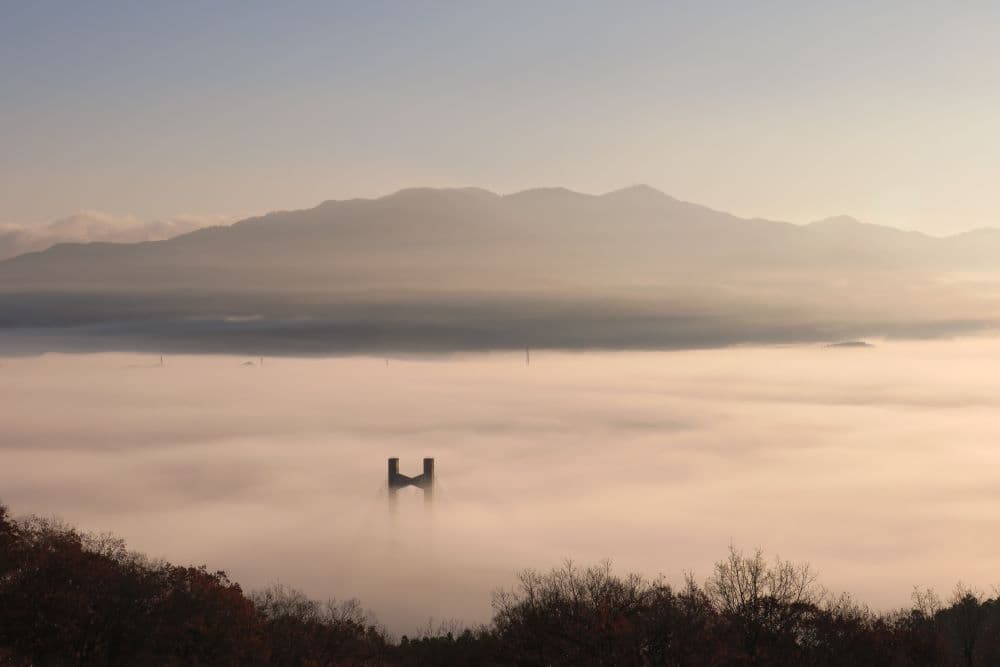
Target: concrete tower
[(424, 481)]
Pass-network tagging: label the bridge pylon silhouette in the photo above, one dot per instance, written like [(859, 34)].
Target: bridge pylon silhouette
[(424, 481)]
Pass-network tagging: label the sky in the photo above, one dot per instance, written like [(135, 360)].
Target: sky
[(876, 465), (787, 110)]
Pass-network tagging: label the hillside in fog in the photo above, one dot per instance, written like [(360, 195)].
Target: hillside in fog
[(467, 268)]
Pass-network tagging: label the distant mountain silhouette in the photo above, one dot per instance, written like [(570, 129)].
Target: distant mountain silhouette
[(475, 263), (424, 237)]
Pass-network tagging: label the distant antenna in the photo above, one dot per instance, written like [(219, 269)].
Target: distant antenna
[(399, 481)]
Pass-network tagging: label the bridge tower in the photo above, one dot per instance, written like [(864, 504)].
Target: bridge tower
[(424, 481)]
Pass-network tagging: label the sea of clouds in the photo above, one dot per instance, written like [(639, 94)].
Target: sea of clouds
[(877, 465)]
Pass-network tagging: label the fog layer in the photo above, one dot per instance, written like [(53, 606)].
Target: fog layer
[(875, 464)]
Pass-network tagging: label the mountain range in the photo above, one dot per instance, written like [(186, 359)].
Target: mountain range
[(466, 268)]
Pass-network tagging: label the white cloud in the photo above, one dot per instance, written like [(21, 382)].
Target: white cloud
[(94, 226)]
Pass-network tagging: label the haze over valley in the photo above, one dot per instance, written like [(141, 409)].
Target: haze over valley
[(466, 269), (873, 464)]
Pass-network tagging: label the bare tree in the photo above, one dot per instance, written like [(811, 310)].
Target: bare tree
[(966, 618), (577, 616), (763, 601)]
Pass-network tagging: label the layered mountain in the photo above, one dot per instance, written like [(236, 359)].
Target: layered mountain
[(477, 264)]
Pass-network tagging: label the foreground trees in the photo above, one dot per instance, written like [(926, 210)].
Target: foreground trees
[(68, 598), (771, 608), (73, 599), (581, 617)]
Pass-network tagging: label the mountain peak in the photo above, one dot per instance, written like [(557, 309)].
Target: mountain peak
[(423, 192), (639, 190), (547, 194), (837, 221)]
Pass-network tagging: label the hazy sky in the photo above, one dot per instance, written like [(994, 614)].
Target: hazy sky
[(790, 110)]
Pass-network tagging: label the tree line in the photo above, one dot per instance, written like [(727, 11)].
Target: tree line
[(72, 598)]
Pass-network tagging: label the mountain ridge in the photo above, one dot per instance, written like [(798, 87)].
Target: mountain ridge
[(553, 233), (465, 268), (634, 194)]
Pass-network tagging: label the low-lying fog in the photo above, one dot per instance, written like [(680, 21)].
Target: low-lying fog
[(877, 465)]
